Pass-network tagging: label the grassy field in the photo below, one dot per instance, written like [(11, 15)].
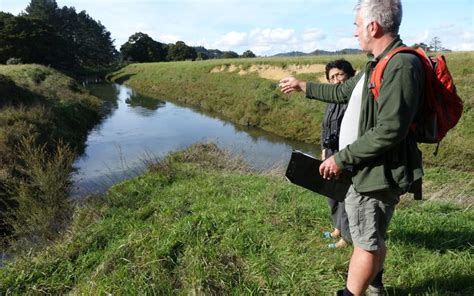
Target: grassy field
[(201, 223), (244, 91)]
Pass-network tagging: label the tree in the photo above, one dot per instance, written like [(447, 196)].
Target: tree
[(422, 45), (229, 55), (181, 52), (85, 40), (92, 42), (46, 10), (4, 15), (435, 44), (33, 41), (202, 56), (248, 54), (142, 48)]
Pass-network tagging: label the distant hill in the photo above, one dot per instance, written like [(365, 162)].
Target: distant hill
[(216, 53), (291, 54), (211, 53), (319, 52)]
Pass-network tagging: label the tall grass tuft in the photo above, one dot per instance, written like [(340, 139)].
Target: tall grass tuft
[(40, 207)]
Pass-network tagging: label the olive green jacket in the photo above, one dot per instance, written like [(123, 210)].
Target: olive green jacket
[(385, 155)]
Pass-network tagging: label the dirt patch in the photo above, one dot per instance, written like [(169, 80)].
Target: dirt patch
[(271, 72)]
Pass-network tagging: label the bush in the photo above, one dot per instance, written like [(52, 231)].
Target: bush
[(38, 75), (40, 205), (14, 61)]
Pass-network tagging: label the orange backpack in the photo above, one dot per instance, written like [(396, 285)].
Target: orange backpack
[(441, 108)]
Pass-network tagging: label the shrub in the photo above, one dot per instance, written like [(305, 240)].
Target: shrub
[(38, 75), (40, 206), (14, 61)]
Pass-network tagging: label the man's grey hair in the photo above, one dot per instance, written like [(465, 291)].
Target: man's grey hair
[(388, 13)]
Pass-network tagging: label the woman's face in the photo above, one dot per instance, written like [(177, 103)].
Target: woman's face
[(337, 76)]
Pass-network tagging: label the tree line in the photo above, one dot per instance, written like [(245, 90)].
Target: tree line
[(59, 37), (142, 48), (66, 39)]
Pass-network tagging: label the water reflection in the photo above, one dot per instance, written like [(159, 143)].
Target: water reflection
[(139, 127), (108, 93), (142, 102)]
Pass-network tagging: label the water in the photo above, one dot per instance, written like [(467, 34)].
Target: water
[(138, 127)]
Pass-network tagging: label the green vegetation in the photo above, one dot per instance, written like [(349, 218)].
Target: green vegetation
[(48, 35), (44, 120), (142, 48), (252, 100), (199, 222)]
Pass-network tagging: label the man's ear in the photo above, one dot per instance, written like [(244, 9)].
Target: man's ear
[(375, 29)]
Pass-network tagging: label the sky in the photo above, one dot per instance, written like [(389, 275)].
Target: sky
[(268, 27)]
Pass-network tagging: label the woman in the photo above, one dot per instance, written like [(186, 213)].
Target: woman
[(337, 72)]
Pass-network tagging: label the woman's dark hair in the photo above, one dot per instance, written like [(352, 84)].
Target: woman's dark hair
[(342, 65)]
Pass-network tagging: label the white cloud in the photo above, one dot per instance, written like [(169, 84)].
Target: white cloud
[(231, 40), (464, 46), (307, 46), (468, 35), (201, 42), (168, 38), (260, 40), (270, 35), (261, 50), (346, 42), (424, 36), (465, 42), (313, 34), (450, 37)]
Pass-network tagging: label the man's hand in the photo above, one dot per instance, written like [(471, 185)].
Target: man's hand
[(329, 169), (291, 84)]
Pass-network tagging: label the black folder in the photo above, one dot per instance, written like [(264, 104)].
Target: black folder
[(303, 170)]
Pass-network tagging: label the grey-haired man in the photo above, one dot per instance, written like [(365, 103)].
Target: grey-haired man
[(382, 150)]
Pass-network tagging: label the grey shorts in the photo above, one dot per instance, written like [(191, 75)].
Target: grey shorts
[(369, 215)]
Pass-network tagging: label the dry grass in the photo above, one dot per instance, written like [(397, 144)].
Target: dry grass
[(271, 72)]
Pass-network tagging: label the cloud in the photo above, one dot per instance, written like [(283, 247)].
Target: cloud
[(168, 38), (346, 42), (270, 35), (313, 34), (465, 42), (261, 50), (259, 40), (231, 40), (449, 36), (201, 42), (423, 36)]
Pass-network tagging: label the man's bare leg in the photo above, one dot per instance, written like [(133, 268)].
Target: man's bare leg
[(363, 267)]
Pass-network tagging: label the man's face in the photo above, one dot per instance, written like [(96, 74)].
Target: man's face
[(362, 33)]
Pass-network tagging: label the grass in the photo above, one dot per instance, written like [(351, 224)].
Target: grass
[(252, 100), (44, 120), (201, 223), (44, 102)]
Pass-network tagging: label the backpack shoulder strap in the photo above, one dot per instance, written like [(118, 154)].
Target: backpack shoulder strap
[(377, 73)]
